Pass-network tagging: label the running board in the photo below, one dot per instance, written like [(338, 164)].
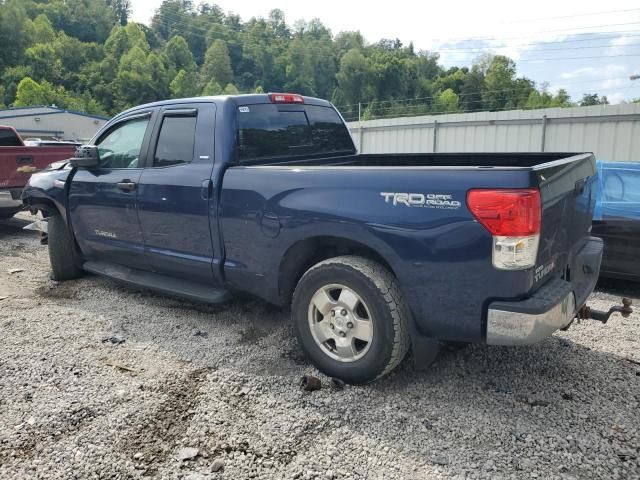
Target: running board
[(159, 283)]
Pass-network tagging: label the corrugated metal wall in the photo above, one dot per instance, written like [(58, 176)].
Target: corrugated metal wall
[(612, 132)]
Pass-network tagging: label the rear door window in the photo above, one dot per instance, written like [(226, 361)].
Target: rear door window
[(270, 131), (176, 141)]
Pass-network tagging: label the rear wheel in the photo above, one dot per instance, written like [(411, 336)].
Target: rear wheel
[(350, 319), (61, 255)]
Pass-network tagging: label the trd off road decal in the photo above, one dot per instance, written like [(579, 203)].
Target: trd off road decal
[(423, 200)]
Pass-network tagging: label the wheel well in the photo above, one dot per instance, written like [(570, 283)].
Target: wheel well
[(47, 207), (306, 253)]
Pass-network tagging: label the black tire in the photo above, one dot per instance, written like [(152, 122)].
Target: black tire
[(379, 291), (64, 265)]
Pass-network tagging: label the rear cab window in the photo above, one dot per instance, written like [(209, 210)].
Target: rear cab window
[(282, 131), (8, 138)]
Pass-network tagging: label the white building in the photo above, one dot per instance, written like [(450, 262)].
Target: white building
[(51, 122)]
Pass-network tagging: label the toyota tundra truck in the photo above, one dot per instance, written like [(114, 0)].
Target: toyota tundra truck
[(18, 161), (373, 253)]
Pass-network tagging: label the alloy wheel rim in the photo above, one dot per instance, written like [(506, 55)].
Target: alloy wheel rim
[(340, 323)]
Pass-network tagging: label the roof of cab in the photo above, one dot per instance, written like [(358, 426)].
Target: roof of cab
[(244, 99)]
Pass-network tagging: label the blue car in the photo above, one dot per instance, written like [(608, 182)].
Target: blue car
[(373, 254), (616, 218)]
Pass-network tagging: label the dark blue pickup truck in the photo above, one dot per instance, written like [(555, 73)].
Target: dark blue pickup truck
[(266, 194)]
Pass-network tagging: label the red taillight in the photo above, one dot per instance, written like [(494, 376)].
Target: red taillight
[(286, 98), (505, 212)]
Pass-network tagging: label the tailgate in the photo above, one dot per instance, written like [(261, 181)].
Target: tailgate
[(567, 208), (18, 163)]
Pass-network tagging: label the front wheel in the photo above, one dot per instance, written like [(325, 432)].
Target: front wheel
[(350, 319), (61, 255)]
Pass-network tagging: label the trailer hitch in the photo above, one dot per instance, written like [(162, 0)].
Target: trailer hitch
[(587, 312)]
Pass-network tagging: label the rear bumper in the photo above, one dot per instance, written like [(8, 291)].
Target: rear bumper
[(10, 201), (528, 321), (551, 307)]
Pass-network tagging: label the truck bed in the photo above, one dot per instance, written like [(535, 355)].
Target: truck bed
[(443, 160), (440, 251)]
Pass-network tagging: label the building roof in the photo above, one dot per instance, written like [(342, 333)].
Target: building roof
[(55, 111)]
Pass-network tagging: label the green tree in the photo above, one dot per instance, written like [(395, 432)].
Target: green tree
[(174, 17), (212, 88), (122, 10), (10, 79), (179, 56), (499, 83), (231, 89), (447, 102), (31, 93), (43, 61), (562, 99), (472, 89), (347, 41), (354, 77), (16, 34), (184, 85), (589, 99), (43, 31), (141, 78), (86, 20), (217, 64), (278, 24)]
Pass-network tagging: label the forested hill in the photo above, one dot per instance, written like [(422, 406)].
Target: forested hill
[(84, 55)]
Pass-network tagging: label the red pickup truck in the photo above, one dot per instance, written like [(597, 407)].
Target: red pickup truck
[(18, 161)]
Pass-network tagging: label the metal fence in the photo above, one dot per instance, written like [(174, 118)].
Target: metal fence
[(612, 132)]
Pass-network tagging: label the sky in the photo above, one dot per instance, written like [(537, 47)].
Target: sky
[(581, 46)]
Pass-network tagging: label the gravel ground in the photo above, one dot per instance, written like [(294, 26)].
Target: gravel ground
[(101, 381)]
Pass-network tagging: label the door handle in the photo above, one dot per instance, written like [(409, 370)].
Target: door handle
[(126, 185), (24, 160), (206, 189)]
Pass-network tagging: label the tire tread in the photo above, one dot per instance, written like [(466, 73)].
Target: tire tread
[(61, 254), (387, 284)]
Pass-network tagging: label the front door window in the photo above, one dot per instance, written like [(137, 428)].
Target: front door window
[(120, 147)]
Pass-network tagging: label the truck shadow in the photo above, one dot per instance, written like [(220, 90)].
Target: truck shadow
[(14, 226), (578, 402), (622, 288)]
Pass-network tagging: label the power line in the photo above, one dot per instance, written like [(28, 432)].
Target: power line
[(502, 109), (542, 49), (204, 30), (534, 34), (197, 30), (336, 58), (464, 95), (195, 14), (543, 43), (317, 55), (527, 20)]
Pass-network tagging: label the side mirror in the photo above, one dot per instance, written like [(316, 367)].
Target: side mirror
[(86, 156)]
